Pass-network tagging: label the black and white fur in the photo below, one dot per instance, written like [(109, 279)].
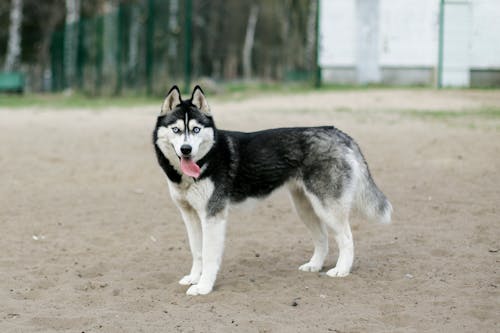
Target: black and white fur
[(322, 168)]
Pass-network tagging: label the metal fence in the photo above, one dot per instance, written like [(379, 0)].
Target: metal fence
[(145, 46), (125, 50)]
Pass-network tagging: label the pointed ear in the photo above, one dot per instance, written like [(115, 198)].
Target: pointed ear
[(171, 101), (199, 100)]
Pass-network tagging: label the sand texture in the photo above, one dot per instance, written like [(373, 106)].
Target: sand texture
[(91, 241)]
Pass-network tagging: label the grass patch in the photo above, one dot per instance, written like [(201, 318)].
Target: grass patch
[(252, 87), (61, 101), (481, 118), (237, 91), (443, 114), (225, 91)]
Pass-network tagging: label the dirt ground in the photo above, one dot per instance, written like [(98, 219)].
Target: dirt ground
[(91, 241)]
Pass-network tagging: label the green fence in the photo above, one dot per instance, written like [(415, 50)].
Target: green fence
[(127, 49), (145, 46)]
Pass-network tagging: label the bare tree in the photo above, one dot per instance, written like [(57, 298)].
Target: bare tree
[(71, 39), (173, 27), (133, 41), (249, 41), (14, 44), (311, 34)]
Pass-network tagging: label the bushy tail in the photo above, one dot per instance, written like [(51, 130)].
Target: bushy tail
[(372, 202)]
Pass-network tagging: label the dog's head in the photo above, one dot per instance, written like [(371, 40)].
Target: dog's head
[(185, 131)]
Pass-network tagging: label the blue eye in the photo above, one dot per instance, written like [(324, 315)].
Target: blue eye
[(176, 129), (196, 130)]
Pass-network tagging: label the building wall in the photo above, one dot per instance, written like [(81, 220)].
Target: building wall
[(456, 44), (337, 33), (367, 41), (407, 35), (485, 41)]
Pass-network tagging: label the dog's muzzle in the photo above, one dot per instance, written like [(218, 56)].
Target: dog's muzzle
[(186, 150)]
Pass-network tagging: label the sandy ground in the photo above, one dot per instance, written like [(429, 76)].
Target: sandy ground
[(91, 241)]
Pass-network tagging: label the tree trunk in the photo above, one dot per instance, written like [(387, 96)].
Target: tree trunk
[(54, 14), (284, 54), (173, 27), (214, 29), (311, 35), (249, 40), (14, 43), (71, 40), (133, 43)]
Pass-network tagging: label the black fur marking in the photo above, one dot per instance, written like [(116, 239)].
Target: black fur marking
[(169, 170), (266, 160), (194, 90)]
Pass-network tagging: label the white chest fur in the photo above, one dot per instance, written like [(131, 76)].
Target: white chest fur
[(196, 193)]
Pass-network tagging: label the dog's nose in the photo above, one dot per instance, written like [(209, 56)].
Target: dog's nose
[(186, 149)]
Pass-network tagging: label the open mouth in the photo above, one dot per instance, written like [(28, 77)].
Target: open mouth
[(189, 167)]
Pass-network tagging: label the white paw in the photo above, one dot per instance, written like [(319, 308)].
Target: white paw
[(198, 290), (189, 279), (337, 272), (308, 267)]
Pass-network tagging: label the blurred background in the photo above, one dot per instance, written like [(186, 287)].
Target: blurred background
[(112, 47)]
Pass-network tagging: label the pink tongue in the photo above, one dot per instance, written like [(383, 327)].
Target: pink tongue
[(190, 168)]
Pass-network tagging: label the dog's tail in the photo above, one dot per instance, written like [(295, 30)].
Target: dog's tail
[(371, 201)]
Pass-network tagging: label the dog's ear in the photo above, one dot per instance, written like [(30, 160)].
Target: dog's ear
[(171, 101), (198, 99)]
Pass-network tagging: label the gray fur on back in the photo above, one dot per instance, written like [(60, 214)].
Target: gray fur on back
[(334, 168)]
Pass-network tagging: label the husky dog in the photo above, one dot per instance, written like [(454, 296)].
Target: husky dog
[(207, 169)]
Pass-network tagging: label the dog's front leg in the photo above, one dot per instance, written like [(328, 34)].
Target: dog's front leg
[(193, 227), (214, 232)]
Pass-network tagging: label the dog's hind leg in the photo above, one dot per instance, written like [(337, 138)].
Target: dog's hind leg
[(316, 227), (336, 216), (340, 225), (193, 227)]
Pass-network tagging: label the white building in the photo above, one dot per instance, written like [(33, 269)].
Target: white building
[(400, 42)]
